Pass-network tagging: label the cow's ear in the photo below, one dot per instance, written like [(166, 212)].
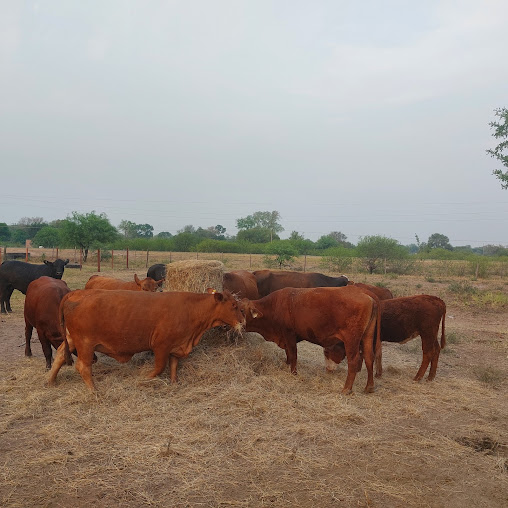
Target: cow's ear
[(136, 279), (46, 262), (66, 261), (255, 313)]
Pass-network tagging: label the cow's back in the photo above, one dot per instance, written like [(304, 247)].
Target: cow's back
[(110, 283), (381, 292), (241, 283), (42, 301), (404, 316)]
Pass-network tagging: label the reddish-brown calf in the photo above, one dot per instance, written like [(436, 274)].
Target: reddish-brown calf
[(101, 282), (403, 319), (42, 301)]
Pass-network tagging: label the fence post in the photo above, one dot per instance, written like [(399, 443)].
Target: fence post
[(98, 260), (170, 256), (127, 258), (80, 258), (74, 254), (146, 258), (57, 253), (197, 254)]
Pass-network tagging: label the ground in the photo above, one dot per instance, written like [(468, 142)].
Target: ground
[(239, 430)]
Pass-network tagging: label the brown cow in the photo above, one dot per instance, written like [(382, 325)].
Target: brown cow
[(323, 316), (272, 280), (380, 292), (43, 298), (403, 319), (101, 282), (241, 283), (122, 323)]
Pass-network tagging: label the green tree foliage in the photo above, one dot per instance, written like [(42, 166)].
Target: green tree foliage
[(255, 235), (262, 220), (283, 251), (338, 259), (500, 152), (87, 230), (133, 230), (48, 237), (164, 234), (377, 248), (31, 226), (5, 232), (438, 241), (184, 242)]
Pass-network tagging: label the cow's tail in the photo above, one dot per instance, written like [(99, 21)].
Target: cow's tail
[(443, 337), (63, 331)]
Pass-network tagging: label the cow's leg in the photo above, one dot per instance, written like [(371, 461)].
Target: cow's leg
[(161, 360), (46, 348), (353, 357), (57, 364), (84, 365), (28, 337), (427, 357), (368, 356), (173, 364), (8, 294), (292, 353), (434, 360)]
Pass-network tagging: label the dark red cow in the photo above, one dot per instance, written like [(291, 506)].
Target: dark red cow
[(380, 292), (403, 319), (101, 282), (269, 281), (121, 323), (241, 283), (42, 301), (324, 316)]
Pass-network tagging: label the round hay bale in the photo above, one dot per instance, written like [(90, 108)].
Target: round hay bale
[(194, 276)]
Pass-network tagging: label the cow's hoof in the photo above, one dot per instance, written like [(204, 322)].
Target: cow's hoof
[(346, 391), (370, 389), (378, 374)]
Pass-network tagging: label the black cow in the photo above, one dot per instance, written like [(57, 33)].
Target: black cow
[(157, 272), (18, 275)]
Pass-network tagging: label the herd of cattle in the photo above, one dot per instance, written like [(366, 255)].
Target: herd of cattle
[(349, 320)]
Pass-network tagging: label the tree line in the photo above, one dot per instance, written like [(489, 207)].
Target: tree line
[(257, 234)]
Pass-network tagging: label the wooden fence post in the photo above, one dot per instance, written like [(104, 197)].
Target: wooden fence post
[(146, 258), (98, 260), (80, 258), (170, 256), (57, 253)]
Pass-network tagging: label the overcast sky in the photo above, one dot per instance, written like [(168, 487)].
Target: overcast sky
[(364, 117)]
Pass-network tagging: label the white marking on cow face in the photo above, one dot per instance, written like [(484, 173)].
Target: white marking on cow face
[(330, 365)]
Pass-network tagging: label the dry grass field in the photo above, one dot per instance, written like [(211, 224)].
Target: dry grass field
[(239, 430)]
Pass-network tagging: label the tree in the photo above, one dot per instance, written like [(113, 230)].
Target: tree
[(266, 220), (500, 151), (438, 241), (133, 230), (31, 225), (5, 232), (255, 235), (325, 242), (283, 250), (88, 229), (164, 234), (47, 237), (375, 248)]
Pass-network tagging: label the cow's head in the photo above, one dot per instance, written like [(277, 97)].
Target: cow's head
[(57, 267), (334, 355), (147, 284), (229, 310), (250, 309)]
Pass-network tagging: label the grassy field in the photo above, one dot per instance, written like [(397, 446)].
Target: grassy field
[(239, 430)]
